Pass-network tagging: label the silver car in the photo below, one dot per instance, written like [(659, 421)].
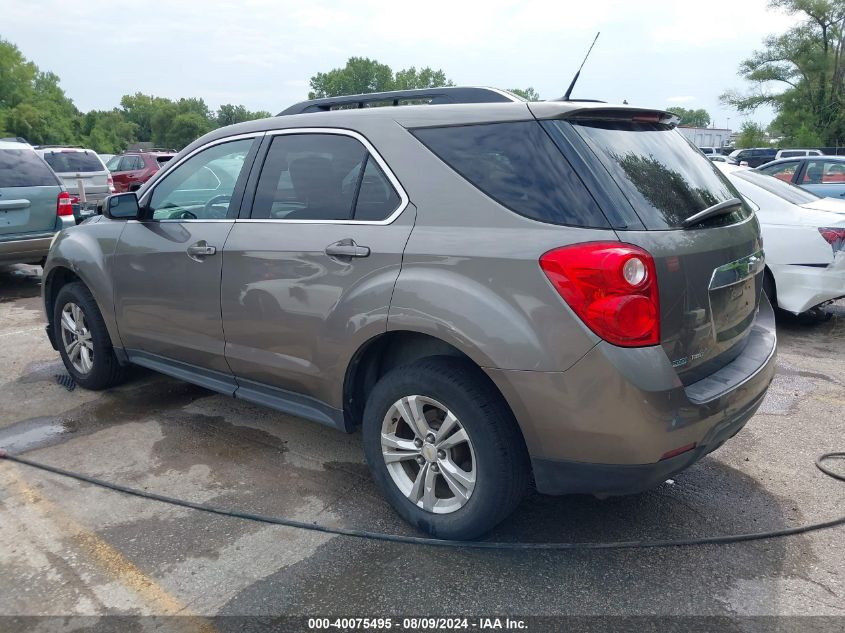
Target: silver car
[(83, 174), (500, 294)]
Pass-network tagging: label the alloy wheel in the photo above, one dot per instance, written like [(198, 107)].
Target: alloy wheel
[(76, 338), (428, 454)]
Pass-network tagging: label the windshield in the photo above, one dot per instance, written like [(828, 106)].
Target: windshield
[(665, 179), (73, 161), (790, 193)]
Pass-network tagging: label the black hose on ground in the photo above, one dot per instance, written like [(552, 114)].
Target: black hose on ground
[(420, 540)]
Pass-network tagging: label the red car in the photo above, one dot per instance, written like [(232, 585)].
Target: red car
[(136, 168)]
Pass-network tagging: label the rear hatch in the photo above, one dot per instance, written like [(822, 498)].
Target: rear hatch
[(28, 193), (709, 273), (82, 172)]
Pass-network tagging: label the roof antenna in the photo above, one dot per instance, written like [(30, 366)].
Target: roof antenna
[(578, 74)]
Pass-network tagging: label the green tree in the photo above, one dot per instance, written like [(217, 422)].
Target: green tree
[(362, 75), (752, 135), (806, 63), (229, 114), (690, 117), (107, 131), (529, 94)]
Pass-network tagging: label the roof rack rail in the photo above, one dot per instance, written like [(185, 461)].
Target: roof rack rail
[(59, 146), (434, 96)]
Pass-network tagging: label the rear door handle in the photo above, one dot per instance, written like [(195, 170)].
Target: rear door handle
[(347, 248), (199, 250)]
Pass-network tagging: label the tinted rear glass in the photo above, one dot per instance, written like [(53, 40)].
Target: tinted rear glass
[(519, 166), (659, 172), (785, 190), (24, 168), (73, 161)]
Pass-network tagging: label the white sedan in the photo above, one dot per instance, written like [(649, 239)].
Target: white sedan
[(803, 238)]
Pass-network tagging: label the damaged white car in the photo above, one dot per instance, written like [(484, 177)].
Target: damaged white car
[(803, 237)]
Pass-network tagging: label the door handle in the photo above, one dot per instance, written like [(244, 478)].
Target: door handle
[(199, 250), (347, 248)]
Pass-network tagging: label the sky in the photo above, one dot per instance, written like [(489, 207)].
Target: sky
[(262, 53)]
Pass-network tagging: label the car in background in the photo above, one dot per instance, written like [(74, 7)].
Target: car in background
[(83, 174), (753, 157), (718, 158), (823, 175), (709, 151), (33, 205), (795, 153), (105, 157), (130, 170), (804, 237)]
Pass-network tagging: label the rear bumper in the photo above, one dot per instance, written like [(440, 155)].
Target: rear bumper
[(25, 251), (800, 288), (603, 425)]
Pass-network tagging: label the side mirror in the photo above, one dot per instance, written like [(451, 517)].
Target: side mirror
[(122, 206)]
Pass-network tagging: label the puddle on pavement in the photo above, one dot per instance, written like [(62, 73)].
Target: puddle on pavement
[(36, 433)]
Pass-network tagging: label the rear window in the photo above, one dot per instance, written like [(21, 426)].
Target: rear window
[(665, 180), (73, 161), (24, 168), (519, 166), (785, 190)]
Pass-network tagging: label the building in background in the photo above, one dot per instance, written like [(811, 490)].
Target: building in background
[(707, 136)]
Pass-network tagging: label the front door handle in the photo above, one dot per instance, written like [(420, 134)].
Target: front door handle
[(200, 250), (347, 248)]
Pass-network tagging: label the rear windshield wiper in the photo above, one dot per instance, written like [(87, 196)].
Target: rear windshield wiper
[(722, 208)]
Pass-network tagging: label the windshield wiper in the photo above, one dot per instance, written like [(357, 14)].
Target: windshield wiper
[(722, 208)]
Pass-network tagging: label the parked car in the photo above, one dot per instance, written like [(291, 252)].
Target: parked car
[(822, 175), (33, 205), (804, 236), (719, 158), (752, 157), (709, 151), (456, 280), (83, 174), (132, 169), (794, 153)]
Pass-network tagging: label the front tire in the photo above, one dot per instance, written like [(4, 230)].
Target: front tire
[(83, 340), (444, 448)]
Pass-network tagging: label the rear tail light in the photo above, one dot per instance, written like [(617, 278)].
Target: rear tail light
[(110, 182), (64, 206), (834, 236), (611, 286)]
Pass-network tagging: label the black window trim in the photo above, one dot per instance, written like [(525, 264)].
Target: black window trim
[(249, 198)]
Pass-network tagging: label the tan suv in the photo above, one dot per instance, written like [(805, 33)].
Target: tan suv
[(499, 293)]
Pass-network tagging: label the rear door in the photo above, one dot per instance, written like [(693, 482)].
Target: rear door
[(709, 274), (167, 266), (825, 178), (28, 192), (308, 275)]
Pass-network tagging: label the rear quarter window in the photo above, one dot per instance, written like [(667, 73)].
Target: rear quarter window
[(24, 168), (520, 167), (78, 162)]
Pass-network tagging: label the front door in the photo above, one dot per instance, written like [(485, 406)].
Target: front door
[(308, 277), (168, 264)]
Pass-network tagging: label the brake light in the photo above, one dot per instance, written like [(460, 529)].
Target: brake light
[(834, 236), (110, 182), (611, 286), (64, 206)]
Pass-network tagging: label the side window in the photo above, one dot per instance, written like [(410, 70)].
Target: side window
[(783, 171), (519, 166), (201, 188), (377, 198), (310, 177)]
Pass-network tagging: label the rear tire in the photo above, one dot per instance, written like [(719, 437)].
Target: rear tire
[(83, 340), (443, 484)]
